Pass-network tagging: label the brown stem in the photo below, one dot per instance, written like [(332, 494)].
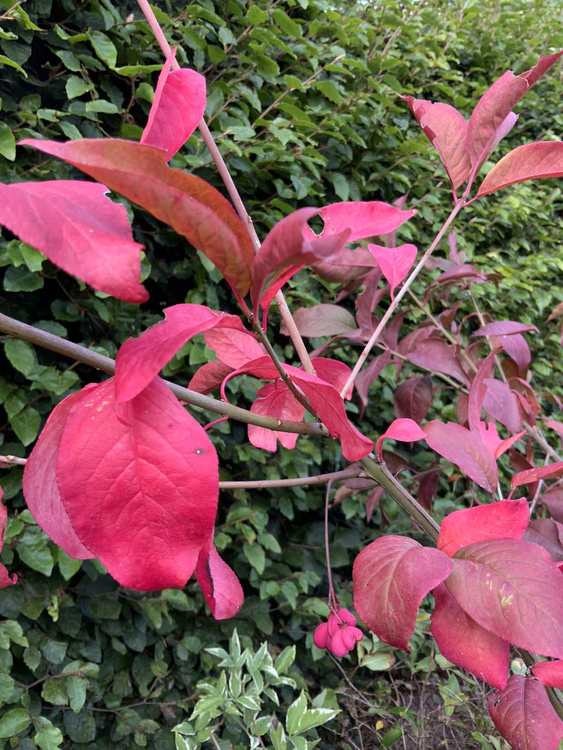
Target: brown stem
[(333, 476)]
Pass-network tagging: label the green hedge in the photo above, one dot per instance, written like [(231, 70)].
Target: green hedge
[(304, 102)]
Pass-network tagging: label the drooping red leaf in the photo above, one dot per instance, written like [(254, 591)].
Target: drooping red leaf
[(490, 437), (507, 519), (501, 404), (494, 107), (232, 346), (190, 205), (446, 129), (209, 376), (334, 372), (345, 265), (553, 500), (5, 578), (220, 586), (40, 484), (363, 218), (466, 644), (532, 161), (140, 359), (523, 714), (369, 374), (427, 488), (516, 346), (403, 430), (413, 398), (530, 476), (290, 246), (550, 673), (80, 230), (504, 328), (464, 448), (394, 262), (368, 300), (178, 106), (275, 400), (548, 534), (438, 356), (391, 577), (515, 590), (150, 474), (478, 391), (324, 320)]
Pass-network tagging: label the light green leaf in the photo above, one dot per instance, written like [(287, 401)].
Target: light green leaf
[(54, 692), (286, 24), (21, 355), (295, 713), (316, 717), (26, 424), (135, 70), (76, 86), (13, 722), (47, 737), (69, 60), (103, 47), (7, 142), (256, 556), (255, 16), (11, 64)]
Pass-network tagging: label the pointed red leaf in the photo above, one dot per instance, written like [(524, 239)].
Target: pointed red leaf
[(516, 346), (150, 474), (555, 425), (466, 644), (523, 714), (413, 398), (504, 328), (275, 400), (550, 673), (369, 374), (220, 586), (533, 161), (548, 534), (391, 577), (5, 578), (515, 590), (334, 372), (437, 356), (446, 129), (40, 485), (80, 230), (178, 106), (363, 218), (324, 320), (501, 404), (553, 500), (465, 449), (233, 347), (530, 476), (209, 376), (477, 392), (140, 359), (403, 430), (345, 265), (507, 519), (394, 262), (190, 205)]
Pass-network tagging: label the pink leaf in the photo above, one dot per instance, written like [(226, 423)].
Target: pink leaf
[(363, 218), (220, 586), (345, 265), (403, 430), (79, 230), (209, 376), (437, 356), (233, 347), (40, 484), (532, 161), (553, 500), (5, 578), (394, 262), (516, 346), (334, 372), (553, 424), (466, 644), (465, 449), (446, 129), (501, 404), (515, 590), (548, 534), (150, 474), (369, 374), (504, 328), (550, 673), (530, 476), (275, 400), (140, 359), (507, 519), (324, 320), (477, 392), (523, 714), (178, 106), (413, 398), (391, 577)]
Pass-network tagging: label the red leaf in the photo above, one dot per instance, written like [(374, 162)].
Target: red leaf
[(501, 404), (437, 356), (209, 376), (334, 372), (79, 230), (369, 374), (553, 424), (532, 161), (140, 359), (515, 590), (220, 586), (150, 473), (465, 449), (394, 262), (446, 129), (5, 578), (289, 247), (391, 577), (504, 328), (553, 500), (523, 714), (188, 204), (363, 218), (530, 476), (404, 430), (466, 644), (178, 106), (324, 320), (413, 398), (233, 347), (477, 392), (516, 346), (345, 265), (548, 534), (275, 400), (550, 673), (40, 484), (507, 519)]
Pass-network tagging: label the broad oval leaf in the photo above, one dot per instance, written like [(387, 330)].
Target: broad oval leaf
[(363, 218), (501, 404), (324, 320), (80, 230), (523, 714), (413, 398), (209, 376), (550, 673), (394, 262), (515, 590), (275, 400), (507, 519), (466, 644), (477, 392), (403, 430), (391, 577), (504, 328), (437, 356), (233, 347), (190, 205), (533, 161)]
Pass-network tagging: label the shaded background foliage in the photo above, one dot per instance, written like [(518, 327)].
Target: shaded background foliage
[(304, 102)]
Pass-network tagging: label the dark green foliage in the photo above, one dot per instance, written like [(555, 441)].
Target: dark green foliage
[(304, 102)]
